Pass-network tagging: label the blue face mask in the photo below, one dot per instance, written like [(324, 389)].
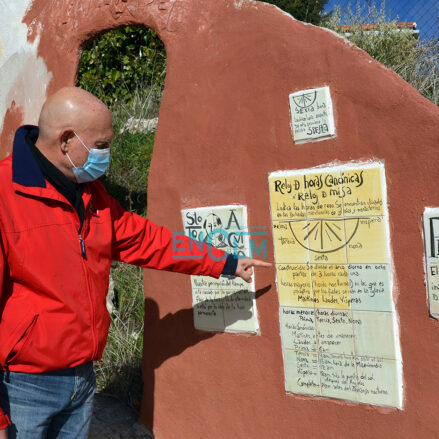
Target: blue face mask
[(97, 163)]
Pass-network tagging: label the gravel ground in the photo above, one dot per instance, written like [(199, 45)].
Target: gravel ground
[(113, 419)]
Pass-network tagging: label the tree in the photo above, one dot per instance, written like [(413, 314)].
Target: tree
[(115, 64), (310, 11)]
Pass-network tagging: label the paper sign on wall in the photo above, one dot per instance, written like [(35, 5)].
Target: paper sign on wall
[(431, 237), (337, 317), (311, 114), (228, 303)]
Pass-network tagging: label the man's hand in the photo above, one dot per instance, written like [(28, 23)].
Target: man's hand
[(245, 268), (4, 433)]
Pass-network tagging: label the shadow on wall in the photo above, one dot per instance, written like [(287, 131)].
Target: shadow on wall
[(161, 343), (134, 201)]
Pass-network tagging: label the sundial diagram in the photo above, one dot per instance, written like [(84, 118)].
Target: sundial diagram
[(324, 235), (305, 100)]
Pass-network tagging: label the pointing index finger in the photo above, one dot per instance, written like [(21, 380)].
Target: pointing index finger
[(258, 263)]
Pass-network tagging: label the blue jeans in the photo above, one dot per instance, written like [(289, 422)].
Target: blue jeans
[(49, 405)]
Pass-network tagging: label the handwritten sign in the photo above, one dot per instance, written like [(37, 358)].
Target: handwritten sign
[(311, 114), (431, 238), (338, 322), (228, 303)]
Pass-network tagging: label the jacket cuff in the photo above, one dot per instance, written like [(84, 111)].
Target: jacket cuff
[(218, 260), (4, 420), (230, 265)]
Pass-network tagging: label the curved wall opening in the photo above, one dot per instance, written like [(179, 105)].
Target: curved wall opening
[(126, 68)]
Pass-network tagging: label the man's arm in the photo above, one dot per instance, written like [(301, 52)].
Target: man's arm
[(140, 242), (242, 267)]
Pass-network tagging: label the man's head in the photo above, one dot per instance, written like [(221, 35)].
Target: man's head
[(73, 110)]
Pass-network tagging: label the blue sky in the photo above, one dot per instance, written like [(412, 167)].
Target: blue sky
[(424, 12)]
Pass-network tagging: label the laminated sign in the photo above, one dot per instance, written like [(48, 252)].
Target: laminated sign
[(431, 237), (338, 323), (312, 118), (228, 303)]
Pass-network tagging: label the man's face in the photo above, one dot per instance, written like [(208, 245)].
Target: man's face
[(98, 135)]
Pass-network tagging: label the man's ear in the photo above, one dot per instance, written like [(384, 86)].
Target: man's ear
[(65, 138)]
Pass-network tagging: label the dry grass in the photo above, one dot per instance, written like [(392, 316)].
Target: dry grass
[(416, 61), (119, 371), (421, 69)]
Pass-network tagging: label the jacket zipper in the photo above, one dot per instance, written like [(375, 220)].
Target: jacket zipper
[(81, 239), (92, 311), (82, 243)]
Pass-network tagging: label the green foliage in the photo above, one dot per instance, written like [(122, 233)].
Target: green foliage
[(415, 61), (131, 151), (309, 11), (127, 177), (114, 64)]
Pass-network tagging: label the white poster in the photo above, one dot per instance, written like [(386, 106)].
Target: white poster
[(338, 322), (228, 303), (431, 239), (312, 115)]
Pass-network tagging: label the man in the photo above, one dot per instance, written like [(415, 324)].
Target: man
[(59, 231)]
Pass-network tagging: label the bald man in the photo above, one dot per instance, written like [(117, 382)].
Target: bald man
[(59, 232)]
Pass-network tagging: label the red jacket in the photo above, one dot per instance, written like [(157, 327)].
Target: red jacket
[(52, 295)]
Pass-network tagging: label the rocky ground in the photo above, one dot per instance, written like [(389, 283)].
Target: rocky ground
[(113, 419)]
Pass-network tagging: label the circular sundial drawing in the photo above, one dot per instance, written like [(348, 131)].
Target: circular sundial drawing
[(305, 100), (325, 235)]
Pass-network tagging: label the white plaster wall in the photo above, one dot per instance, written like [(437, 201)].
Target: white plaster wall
[(24, 75)]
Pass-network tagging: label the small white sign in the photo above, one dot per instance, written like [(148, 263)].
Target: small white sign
[(431, 240), (311, 114), (228, 303)]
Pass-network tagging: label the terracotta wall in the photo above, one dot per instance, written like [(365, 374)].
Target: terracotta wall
[(224, 125)]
